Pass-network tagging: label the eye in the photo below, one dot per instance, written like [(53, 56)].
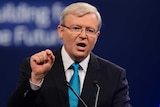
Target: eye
[(90, 30), (76, 28)]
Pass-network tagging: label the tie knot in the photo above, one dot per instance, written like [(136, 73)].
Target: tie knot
[(75, 66)]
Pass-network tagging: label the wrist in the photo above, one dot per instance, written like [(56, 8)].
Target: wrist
[(36, 78)]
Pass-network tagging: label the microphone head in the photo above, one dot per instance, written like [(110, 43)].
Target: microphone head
[(95, 82), (67, 83)]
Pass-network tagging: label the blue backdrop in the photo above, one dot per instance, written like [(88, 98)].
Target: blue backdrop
[(129, 37)]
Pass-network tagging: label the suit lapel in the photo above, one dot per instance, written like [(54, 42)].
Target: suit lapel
[(88, 91), (60, 79)]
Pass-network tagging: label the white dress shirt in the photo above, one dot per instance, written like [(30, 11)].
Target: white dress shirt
[(67, 62)]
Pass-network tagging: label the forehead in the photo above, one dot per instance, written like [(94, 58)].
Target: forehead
[(89, 19)]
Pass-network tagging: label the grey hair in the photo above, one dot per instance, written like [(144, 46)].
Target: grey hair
[(80, 9)]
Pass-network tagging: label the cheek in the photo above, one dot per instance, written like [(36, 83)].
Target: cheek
[(92, 43), (68, 40)]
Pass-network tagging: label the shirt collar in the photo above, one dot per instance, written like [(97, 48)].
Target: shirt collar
[(67, 61)]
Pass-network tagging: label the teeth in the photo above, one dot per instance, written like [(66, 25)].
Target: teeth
[(81, 44)]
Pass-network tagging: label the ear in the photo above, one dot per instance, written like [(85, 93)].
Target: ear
[(60, 31), (98, 33)]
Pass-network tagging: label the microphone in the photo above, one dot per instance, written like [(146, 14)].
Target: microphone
[(68, 85), (97, 94)]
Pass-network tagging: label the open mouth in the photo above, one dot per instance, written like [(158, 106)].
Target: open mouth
[(81, 44)]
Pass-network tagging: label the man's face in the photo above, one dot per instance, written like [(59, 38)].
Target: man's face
[(79, 44)]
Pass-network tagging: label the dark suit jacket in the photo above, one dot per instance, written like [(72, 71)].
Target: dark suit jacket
[(54, 92)]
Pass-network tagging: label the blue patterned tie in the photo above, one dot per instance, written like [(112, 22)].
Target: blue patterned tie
[(75, 84)]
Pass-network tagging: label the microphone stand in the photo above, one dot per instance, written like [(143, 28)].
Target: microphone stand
[(76, 94), (97, 95)]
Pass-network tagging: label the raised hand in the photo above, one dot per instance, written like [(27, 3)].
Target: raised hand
[(41, 63)]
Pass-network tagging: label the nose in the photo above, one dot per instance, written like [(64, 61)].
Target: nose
[(83, 34)]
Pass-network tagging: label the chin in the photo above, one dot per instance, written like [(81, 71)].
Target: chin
[(80, 56)]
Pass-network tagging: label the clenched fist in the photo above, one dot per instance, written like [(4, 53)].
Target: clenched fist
[(41, 63)]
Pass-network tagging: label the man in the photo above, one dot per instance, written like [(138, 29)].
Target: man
[(46, 76)]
